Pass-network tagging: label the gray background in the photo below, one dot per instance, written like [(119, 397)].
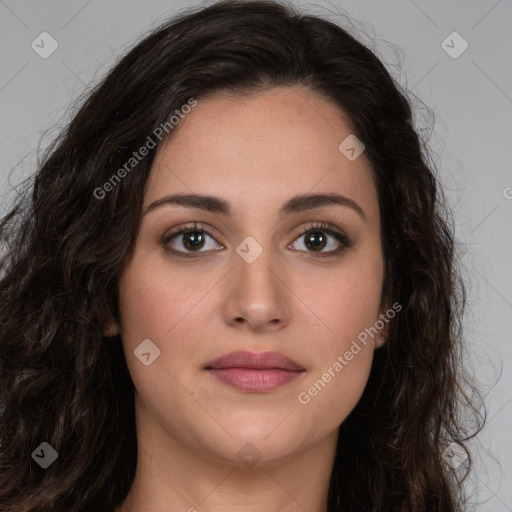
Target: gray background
[(471, 96)]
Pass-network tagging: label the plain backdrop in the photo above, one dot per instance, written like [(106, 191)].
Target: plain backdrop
[(469, 90)]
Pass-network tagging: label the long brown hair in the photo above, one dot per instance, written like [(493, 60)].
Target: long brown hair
[(64, 249)]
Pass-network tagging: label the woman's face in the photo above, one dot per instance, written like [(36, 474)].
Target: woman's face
[(256, 280)]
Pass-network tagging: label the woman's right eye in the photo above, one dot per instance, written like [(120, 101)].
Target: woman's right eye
[(189, 238)]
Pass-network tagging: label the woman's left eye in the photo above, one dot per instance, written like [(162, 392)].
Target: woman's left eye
[(316, 238)]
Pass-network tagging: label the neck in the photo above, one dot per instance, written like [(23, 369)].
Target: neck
[(171, 473)]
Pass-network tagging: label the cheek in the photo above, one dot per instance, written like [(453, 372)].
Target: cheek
[(144, 305), (163, 308), (344, 352), (154, 307), (153, 302), (348, 302), (348, 306), (330, 396)]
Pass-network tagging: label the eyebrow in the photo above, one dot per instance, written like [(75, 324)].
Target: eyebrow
[(296, 204)]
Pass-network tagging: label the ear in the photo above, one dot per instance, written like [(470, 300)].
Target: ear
[(381, 337), (111, 328), (382, 324)]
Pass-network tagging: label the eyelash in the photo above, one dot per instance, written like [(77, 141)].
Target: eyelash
[(324, 227)]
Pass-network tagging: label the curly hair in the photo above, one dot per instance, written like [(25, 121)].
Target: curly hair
[(64, 250)]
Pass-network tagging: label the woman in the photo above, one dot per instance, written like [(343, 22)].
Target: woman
[(234, 286)]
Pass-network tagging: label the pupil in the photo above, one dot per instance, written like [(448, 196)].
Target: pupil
[(310, 240), (193, 239)]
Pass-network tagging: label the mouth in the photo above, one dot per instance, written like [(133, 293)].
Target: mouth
[(255, 372)]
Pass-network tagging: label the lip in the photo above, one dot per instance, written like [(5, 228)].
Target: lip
[(255, 361), (254, 372)]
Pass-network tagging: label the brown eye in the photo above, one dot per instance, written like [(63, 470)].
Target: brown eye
[(320, 237), (315, 240), (187, 240), (193, 240)]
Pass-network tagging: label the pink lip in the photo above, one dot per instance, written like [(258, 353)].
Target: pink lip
[(254, 372)]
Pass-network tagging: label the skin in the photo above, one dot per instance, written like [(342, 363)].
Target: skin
[(255, 151)]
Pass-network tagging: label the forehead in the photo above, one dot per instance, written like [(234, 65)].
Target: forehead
[(262, 148)]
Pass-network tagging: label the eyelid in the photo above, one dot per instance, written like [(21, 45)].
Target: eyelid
[(195, 226), (322, 226)]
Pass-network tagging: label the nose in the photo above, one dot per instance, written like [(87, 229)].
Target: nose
[(257, 295)]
